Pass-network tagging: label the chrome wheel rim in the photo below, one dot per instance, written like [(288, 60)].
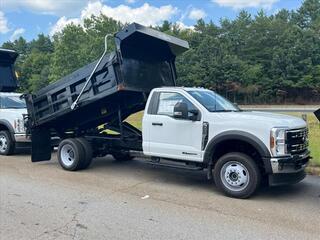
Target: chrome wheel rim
[(67, 155), (3, 143), (235, 176)]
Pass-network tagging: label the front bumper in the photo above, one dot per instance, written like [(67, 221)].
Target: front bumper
[(291, 164), (288, 170), (22, 141), (22, 138)]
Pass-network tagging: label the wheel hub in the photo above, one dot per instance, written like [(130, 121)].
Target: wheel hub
[(67, 155), (234, 176)]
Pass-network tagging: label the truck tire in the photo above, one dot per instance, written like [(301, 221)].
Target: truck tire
[(88, 152), (122, 156), (71, 154), (237, 175), (6, 143)]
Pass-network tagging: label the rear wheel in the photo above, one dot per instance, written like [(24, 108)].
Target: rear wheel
[(237, 175), (6, 143), (71, 154), (88, 152)]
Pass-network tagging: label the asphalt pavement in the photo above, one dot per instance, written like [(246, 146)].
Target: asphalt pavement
[(134, 200)]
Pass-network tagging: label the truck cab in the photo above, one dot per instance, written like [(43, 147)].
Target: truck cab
[(198, 126)]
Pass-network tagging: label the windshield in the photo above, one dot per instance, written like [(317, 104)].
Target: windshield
[(12, 102), (213, 102)]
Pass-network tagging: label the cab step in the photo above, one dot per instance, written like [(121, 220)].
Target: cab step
[(169, 164)]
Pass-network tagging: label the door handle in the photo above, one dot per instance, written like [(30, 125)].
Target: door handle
[(157, 124)]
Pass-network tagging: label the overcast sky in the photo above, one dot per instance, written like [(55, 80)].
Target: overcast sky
[(28, 18)]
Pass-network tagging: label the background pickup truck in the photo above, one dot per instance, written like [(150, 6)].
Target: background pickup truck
[(12, 107), (190, 128), (12, 129)]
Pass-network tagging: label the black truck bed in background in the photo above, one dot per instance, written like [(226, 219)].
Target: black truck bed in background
[(144, 59), (8, 80)]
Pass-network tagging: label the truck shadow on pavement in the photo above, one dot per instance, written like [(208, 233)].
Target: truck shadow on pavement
[(23, 152), (140, 171), (187, 178), (282, 192)]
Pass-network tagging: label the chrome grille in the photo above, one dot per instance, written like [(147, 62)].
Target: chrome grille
[(297, 140)]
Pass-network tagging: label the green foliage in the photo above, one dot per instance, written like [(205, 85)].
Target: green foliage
[(251, 59), (257, 59)]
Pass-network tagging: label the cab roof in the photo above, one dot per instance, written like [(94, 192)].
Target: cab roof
[(10, 94), (182, 88)]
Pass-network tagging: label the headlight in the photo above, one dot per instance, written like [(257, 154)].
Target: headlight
[(278, 144)]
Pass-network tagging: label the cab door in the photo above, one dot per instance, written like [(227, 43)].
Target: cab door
[(171, 137)]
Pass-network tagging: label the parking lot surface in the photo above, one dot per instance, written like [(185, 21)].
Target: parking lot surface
[(134, 200)]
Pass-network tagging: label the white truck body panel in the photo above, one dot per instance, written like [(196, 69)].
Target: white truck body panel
[(177, 136), (12, 116)]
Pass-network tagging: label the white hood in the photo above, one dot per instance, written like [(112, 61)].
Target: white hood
[(258, 124), (16, 112), (270, 119)]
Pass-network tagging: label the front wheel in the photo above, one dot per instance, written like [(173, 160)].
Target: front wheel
[(237, 175)]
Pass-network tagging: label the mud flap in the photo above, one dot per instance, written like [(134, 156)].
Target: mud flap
[(41, 145)]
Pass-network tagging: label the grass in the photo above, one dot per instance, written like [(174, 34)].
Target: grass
[(136, 119), (313, 125)]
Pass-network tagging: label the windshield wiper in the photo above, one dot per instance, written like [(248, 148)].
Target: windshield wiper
[(15, 107), (225, 110), (222, 110)]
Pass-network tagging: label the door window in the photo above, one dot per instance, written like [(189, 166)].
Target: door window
[(167, 101)]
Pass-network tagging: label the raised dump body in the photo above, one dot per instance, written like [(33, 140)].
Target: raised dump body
[(8, 79), (144, 59)]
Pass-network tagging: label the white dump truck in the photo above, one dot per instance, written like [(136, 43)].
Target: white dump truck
[(189, 128)]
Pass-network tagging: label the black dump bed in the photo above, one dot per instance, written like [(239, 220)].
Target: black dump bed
[(8, 80), (144, 59)]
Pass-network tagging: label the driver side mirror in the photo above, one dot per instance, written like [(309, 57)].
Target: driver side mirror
[(180, 110)]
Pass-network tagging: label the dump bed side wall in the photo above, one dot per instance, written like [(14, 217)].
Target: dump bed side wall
[(55, 100)]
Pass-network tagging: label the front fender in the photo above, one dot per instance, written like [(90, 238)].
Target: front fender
[(8, 125), (242, 136)]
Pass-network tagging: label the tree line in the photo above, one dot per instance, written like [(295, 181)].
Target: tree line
[(250, 59)]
